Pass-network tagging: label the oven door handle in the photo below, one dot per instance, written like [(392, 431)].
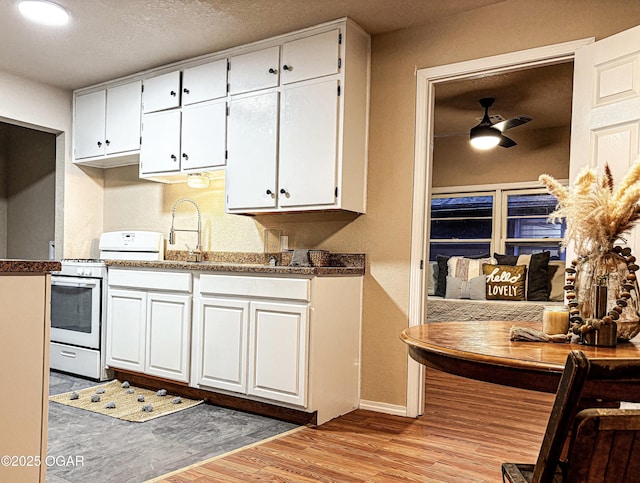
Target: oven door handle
[(80, 283)]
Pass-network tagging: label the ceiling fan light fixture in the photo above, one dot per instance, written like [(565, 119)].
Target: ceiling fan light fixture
[(484, 137), (43, 12), (197, 180)]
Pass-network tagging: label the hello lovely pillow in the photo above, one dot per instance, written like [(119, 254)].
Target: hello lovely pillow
[(505, 282)]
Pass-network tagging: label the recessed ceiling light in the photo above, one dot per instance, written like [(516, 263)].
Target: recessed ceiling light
[(43, 12)]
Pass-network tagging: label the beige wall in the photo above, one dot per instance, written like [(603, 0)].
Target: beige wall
[(456, 163), (30, 193)]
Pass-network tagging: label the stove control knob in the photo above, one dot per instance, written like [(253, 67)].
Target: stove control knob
[(80, 271), (87, 272)]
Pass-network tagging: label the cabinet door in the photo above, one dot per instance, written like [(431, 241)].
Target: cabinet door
[(221, 342), (204, 82), (278, 352), (126, 329), (123, 118), (308, 144), (160, 150), (168, 336), (89, 125), (310, 57), (204, 135), (254, 71), (252, 143), (161, 92)]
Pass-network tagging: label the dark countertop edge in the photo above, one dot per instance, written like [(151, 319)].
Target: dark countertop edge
[(28, 266), (239, 268)]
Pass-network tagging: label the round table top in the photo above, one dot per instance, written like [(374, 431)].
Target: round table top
[(482, 350)]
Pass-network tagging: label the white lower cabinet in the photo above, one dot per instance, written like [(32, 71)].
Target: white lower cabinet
[(278, 352), (220, 342), (292, 341), (149, 323)]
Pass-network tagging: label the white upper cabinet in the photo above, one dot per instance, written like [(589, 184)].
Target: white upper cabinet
[(204, 82), (161, 92), (107, 123), (321, 129), (90, 122), (253, 148), (314, 56), (254, 71), (203, 141), (160, 151), (307, 168)]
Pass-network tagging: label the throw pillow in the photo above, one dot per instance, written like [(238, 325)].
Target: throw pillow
[(473, 289), (443, 271), (441, 284), (432, 278), (537, 275), (506, 259), (556, 281), (467, 268), (505, 282)]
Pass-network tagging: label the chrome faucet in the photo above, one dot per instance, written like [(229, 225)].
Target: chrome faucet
[(197, 253)]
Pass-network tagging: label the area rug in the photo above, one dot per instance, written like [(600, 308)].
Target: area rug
[(120, 400)]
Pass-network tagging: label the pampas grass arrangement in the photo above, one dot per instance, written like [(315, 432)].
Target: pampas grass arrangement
[(597, 212)]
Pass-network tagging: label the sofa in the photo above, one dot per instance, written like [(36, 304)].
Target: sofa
[(493, 288)]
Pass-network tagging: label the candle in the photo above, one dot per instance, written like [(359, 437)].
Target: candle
[(555, 319)]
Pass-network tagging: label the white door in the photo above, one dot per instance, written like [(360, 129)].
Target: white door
[(308, 144), (161, 92), (278, 352), (606, 108), (254, 70), (204, 135), (123, 118), (309, 57), (160, 150), (204, 82), (252, 142), (89, 124), (126, 329), (168, 336), (222, 342)]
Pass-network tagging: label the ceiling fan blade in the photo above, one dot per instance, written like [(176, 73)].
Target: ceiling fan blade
[(505, 142), (511, 123)]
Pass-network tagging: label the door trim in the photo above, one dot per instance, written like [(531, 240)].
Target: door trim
[(426, 80)]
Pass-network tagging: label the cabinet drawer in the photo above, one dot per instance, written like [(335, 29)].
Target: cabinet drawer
[(273, 288), (152, 279), (76, 360)]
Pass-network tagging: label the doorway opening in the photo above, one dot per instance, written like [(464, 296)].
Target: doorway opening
[(27, 193), (427, 81)]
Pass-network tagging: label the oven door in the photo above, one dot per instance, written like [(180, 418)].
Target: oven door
[(76, 310)]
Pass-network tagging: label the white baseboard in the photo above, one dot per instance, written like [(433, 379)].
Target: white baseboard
[(381, 407)]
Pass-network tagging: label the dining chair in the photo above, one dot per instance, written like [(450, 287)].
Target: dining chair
[(585, 382)]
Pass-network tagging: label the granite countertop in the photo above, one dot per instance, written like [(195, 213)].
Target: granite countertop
[(28, 266), (340, 264)]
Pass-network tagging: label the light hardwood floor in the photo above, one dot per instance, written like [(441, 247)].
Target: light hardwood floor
[(468, 429)]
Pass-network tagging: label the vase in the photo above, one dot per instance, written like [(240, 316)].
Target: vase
[(603, 281)]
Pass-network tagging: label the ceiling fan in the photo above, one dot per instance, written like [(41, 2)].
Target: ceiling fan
[(487, 135)]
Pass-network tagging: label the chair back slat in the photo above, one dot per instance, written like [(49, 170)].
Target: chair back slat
[(603, 445)]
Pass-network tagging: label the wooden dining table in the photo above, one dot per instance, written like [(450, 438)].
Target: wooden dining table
[(482, 350)]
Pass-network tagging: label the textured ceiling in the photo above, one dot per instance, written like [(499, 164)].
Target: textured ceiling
[(107, 39), (543, 93)]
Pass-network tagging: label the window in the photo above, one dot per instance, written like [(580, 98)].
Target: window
[(513, 221)]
